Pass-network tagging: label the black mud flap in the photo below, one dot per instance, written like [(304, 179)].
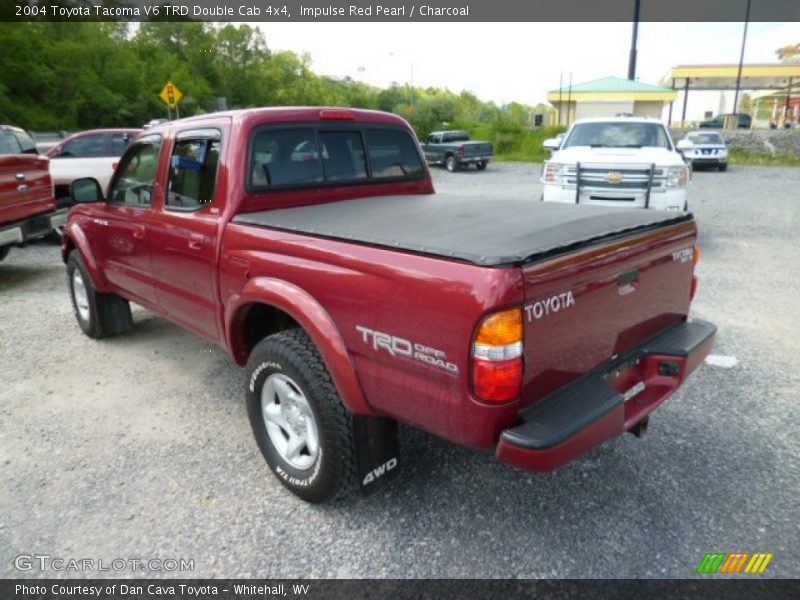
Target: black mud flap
[(377, 451)]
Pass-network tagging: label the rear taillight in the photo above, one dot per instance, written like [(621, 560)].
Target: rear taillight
[(497, 363), (462, 151), (695, 282)]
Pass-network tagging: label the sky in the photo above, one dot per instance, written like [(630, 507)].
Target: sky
[(504, 62)]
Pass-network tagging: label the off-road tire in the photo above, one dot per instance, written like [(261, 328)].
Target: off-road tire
[(292, 353), (108, 314)]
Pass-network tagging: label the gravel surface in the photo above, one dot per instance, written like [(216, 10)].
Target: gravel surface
[(139, 446)]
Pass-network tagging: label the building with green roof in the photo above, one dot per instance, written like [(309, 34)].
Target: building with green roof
[(610, 96)]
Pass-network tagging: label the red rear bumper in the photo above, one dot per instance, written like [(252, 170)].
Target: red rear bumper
[(606, 402)]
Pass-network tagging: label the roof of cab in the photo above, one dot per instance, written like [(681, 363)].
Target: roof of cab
[(619, 120), (299, 114)]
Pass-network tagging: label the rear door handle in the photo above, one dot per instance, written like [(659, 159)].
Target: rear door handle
[(20, 176), (196, 241)]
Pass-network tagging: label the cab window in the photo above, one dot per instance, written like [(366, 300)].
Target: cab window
[(9, 143), (136, 176), (86, 146), (193, 173)]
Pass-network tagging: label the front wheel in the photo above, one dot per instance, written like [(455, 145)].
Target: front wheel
[(451, 164), (300, 424), (723, 166), (98, 315), (4, 250)]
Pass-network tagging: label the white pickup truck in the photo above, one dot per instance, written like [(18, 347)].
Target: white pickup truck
[(620, 161)]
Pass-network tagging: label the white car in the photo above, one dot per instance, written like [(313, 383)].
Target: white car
[(619, 161), (704, 148)]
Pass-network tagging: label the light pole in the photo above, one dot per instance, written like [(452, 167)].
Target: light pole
[(410, 82), (634, 36)]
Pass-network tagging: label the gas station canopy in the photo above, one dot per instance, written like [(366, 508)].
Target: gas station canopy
[(774, 76)]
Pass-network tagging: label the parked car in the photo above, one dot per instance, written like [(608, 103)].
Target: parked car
[(27, 204), (454, 150), (704, 148), (310, 244), (92, 153), (736, 121), (618, 161)]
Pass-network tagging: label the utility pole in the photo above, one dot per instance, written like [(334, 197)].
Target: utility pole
[(560, 87), (634, 36), (741, 60)]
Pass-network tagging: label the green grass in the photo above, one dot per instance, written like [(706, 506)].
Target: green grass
[(743, 157), (515, 144)]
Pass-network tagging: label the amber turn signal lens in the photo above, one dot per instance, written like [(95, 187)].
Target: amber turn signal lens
[(501, 328), (696, 256)]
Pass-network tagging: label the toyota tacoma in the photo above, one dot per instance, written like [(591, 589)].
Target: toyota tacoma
[(310, 244)]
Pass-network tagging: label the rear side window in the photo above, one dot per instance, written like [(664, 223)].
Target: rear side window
[(193, 173), (9, 143), (393, 153), (302, 157), (86, 146)]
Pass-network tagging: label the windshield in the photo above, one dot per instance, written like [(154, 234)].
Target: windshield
[(706, 138), (618, 134)]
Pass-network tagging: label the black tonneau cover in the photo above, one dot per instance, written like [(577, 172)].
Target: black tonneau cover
[(490, 232)]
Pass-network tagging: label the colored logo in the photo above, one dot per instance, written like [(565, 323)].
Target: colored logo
[(736, 562), (614, 177)]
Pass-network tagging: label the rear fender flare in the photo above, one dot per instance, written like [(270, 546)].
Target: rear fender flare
[(308, 313)]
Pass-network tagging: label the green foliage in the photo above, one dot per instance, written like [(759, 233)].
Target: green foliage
[(743, 157), (67, 76)]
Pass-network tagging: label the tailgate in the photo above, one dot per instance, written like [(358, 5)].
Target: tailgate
[(583, 308), (477, 149), (25, 187)]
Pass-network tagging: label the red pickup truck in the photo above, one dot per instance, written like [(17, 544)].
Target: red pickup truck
[(27, 202), (310, 244)]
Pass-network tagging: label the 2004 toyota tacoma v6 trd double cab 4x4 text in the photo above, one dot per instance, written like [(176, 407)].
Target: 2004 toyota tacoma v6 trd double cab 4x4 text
[(309, 243)]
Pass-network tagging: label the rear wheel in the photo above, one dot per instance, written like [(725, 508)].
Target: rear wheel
[(300, 424), (481, 165), (98, 315), (451, 164)]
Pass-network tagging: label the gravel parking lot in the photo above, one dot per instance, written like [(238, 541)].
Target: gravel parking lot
[(139, 446)]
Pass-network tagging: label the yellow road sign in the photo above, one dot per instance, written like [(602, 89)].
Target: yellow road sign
[(171, 95)]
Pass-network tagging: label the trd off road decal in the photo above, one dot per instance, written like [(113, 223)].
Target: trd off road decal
[(547, 306), (397, 346)]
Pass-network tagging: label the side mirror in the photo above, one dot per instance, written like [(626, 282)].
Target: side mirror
[(552, 144), (86, 190)]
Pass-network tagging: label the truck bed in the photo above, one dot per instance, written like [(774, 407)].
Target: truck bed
[(503, 232)]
